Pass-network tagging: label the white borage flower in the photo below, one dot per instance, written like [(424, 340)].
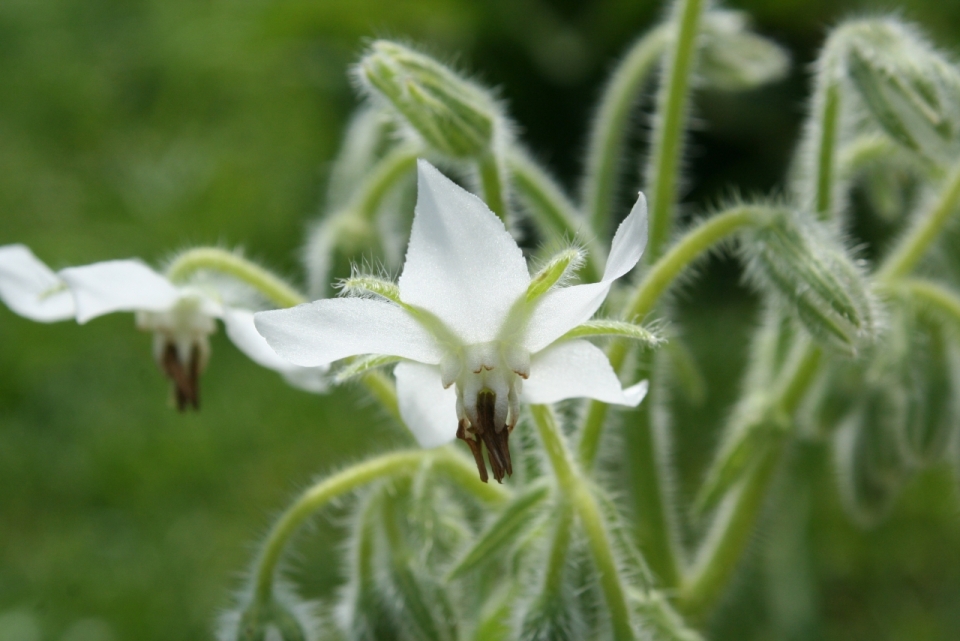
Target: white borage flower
[(181, 318), (475, 333)]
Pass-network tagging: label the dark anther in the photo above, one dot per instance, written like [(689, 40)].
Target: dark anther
[(495, 437), (184, 376)]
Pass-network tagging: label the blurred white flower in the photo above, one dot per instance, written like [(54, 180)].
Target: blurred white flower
[(181, 318), (475, 333)]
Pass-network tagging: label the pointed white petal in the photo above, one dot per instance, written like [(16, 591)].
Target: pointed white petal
[(577, 369), (428, 410), (243, 334), (629, 242), (560, 310), (30, 288), (118, 286), (462, 264), (327, 330)]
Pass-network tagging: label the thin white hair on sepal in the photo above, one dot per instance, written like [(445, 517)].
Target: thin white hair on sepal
[(368, 267)]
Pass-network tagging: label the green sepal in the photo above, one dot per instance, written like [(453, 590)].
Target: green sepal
[(616, 329)]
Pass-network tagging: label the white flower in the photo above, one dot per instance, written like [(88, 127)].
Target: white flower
[(181, 318), (474, 342)]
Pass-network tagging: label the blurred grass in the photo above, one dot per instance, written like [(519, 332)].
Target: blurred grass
[(134, 128)]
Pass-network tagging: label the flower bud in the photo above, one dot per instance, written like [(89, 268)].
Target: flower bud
[(452, 115), (868, 451), (911, 90), (931, 375), (734, 59), (802, 265)]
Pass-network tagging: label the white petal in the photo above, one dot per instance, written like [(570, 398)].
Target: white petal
[(243, 334), (560, 310), (577, 369), (428, 410), (462, 264), (118, 286), (327, 330), (30, 288)]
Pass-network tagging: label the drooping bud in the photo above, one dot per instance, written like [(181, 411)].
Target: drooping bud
[(930, 373), (868, 450), (732, 58), (911, 90), (805, 267), (451, 114)]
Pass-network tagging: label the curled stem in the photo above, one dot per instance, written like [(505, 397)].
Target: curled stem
[(346, 481), (939, 298), (661, 275), (381, 178), (610, 125), (576, 490), (672, 111), (231, 264)]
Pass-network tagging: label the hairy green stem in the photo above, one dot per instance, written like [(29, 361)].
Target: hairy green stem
[(554, 208), (576, 490), (672, 112), (829, 120), (918, 240), (610, 126), (491, 181), (944, 301), (231, 264), (660, 276), (733, 524), (346, 481), (383, 389), (557, 560), (382, 177)]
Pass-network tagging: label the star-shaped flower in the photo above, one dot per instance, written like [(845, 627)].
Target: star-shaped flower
[(475, 333), (181, 318)]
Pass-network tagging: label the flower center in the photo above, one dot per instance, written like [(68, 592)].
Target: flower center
[(488, 379), (181, 346)]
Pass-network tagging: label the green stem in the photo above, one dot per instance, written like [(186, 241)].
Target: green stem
[(827, 150), (730, 531), (231, 264), (576, 490), (557, 561), (661, 275), (346, 481), (729, 534), (917, 241), (610, 126), (381, 178), (491, 181), (554, 208), (383, 389), (672, 114), (936, 296)]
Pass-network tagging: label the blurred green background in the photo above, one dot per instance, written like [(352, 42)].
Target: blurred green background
[(135, 128)]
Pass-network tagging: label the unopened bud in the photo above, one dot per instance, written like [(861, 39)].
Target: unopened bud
[(911, 90), (733, 58), (868, 451), (805, 267), (453, 115)]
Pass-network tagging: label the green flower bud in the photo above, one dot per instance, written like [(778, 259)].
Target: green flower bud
[(868, 449), (806, 268), (931, 375), (451, 114), (911, 90), (734, 59)]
